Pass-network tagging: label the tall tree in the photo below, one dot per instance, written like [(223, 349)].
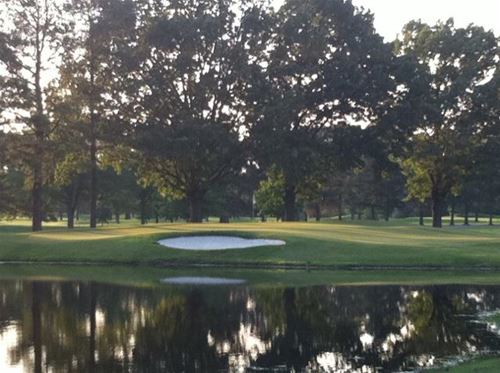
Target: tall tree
[(485, 176), (321, 66), (35, 36), (70, 177), (189, 113), (456, 63), (88, 73)]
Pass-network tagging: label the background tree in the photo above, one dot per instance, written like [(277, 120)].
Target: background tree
[(322, 65), (456, 62), (70, 177), (97, 29), (269, 195), (14, 185), (34, 38), (191, 55), (119, 191), (69, 143), (485, 112)]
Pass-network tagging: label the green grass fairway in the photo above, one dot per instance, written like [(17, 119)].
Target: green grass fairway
[(399, 243)]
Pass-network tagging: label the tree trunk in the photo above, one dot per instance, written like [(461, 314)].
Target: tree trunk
[(144, 199), (93, 182), (476, 217), (353, 214), (143, 213), (452, 212), (71, 217), (37, 191), (317, 209), (421, 214), (490, 219), (117, 217), (340, 207), (195, 207), (39, 122), (93, 130), (157, 218), (127, 215), (37, 194), (372, 212), (466, 213), (437, 208), (359, 215), (290, 203), (72, 197)]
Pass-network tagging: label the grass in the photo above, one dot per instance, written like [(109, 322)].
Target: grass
[(399, 243), (479, 365), (146, 276)]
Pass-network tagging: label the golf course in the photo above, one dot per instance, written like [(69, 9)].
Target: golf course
[(398, 244), (365, 259)]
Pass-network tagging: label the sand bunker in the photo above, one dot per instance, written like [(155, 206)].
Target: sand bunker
[(191, 280), (216, 242)]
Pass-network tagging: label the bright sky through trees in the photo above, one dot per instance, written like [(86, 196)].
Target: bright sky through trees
[(392, 15)]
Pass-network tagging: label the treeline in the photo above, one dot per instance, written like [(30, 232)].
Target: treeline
[(182, 108)]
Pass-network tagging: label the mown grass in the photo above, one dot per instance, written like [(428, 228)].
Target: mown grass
[(146, 276), (479, 365), (398, 243)]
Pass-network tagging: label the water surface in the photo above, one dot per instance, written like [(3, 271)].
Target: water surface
[(84, 326)]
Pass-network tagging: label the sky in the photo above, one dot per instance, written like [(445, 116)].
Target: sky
[(392, 15)]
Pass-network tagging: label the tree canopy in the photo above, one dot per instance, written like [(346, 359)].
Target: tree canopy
[(183, 109)]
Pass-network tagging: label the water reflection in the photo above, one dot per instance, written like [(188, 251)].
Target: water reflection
[(75, 327)]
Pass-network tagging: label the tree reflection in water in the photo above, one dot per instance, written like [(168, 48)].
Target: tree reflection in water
[(76, 326)]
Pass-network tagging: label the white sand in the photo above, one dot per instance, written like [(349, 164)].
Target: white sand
[(191, 280), (216, 242)]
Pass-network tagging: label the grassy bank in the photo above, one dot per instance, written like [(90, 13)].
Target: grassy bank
[(479, 365), (145, 276), (399, 243)]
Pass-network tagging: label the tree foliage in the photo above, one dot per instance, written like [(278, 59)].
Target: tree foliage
[(455, 63)]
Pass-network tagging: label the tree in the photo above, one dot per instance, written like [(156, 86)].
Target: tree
[(321, 65), (269, 195), (68, 150), (189, 114), (97, 29), (70, 177), (33, 38), (486, 174), (14, 185), (454, 63), (118, 190)]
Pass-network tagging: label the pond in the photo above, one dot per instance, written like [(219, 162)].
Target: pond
[(60, 326)]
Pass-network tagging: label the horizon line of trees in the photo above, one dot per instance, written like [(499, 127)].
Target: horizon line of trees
[(182, 108)]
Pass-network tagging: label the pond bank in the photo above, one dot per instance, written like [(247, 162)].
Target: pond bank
[(264, 266), (153, 276)]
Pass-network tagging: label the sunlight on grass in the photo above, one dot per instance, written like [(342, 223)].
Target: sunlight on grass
[(398, 242)]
